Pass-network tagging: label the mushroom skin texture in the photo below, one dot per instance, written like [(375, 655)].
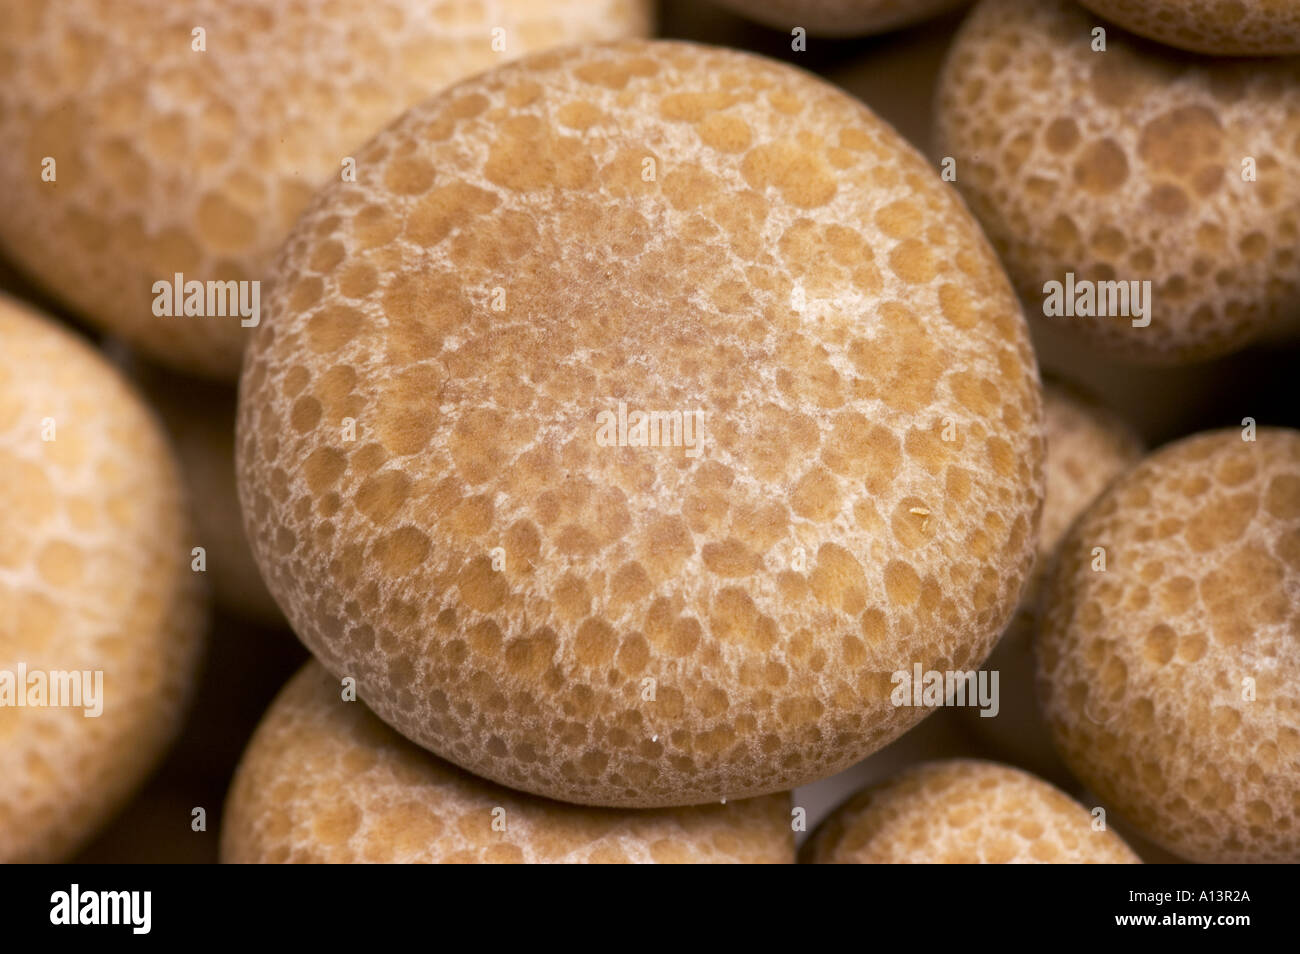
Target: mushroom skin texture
[(963, 811), (101, 617), (148, 139), (440, 493), (1168, 658), (1144, 202), (1243, 28), (323, 780)]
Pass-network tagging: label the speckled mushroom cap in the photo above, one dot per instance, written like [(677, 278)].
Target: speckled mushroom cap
[(963, 811), (174, 160), (94, 576), (1088, 446), (323, 780), (839, 17), (1171, 680), (677, 228), (1237, 28), (1127, 166)]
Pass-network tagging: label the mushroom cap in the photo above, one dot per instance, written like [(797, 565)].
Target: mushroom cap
[(173, 159), (323, 780), (443, 497), (1171, 679), (963, 811), (98, 603), (1129, 165), (1241, 28)]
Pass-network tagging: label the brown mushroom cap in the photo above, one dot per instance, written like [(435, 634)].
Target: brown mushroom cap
[(323, 780), (1239, 28), (657, 227), (1171, 678), (963, 811), (1129, 165), (96, 590), (173, 159)]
